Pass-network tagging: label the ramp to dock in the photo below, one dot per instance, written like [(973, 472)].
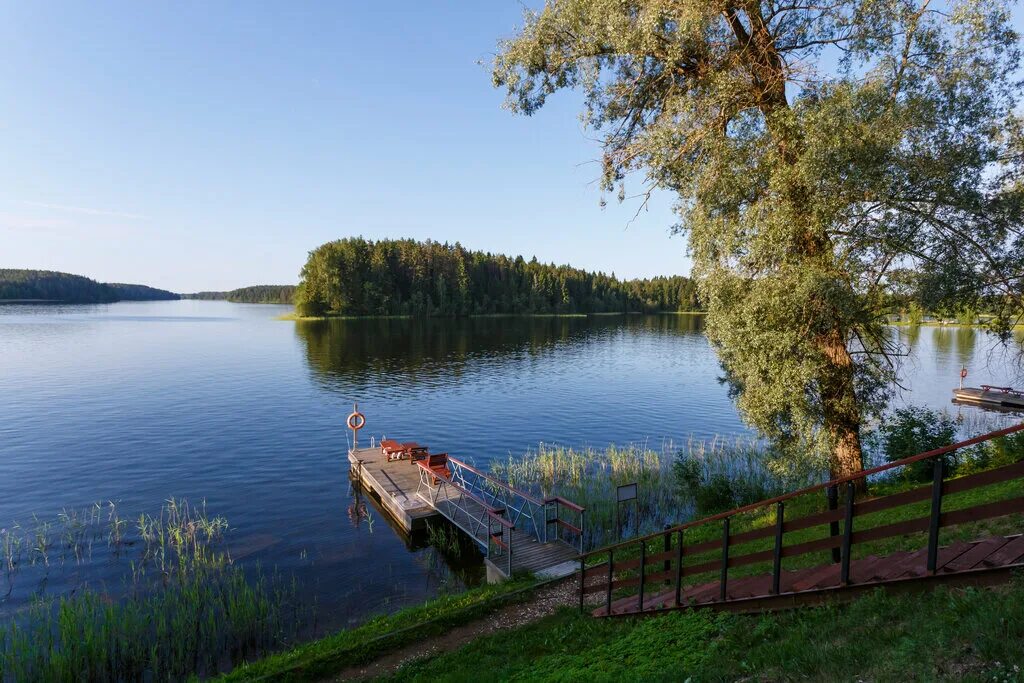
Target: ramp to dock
[(515, 530)]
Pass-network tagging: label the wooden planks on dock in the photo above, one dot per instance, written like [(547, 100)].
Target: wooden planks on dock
[(394, 482)]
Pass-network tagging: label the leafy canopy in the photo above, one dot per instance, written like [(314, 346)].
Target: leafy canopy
[(815, 148)]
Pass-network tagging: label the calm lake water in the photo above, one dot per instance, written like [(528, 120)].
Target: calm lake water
[(138, 402)]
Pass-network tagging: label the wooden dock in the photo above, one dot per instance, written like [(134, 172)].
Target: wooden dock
[(394, 484), (515, 531)]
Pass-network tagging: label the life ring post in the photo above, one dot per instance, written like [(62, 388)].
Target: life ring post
[(356, 421)]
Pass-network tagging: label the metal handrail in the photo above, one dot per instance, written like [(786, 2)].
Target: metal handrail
[(497, 482), (517, 504), (811, 489)]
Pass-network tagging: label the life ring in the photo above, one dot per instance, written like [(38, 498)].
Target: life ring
[(356, 421)]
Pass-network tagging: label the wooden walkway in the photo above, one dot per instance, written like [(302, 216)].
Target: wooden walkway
[(670, 569), (533, 532), (969, 562)]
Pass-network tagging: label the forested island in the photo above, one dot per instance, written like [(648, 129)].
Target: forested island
[(52, 286), (356, 276), (256, 294)]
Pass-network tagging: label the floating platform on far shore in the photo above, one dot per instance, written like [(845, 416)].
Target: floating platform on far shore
[(998, 397)]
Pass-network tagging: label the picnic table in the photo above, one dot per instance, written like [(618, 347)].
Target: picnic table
[(393, 450)]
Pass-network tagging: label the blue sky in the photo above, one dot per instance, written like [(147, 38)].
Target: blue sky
[(212, 145)]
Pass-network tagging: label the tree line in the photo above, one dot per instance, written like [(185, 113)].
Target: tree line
[(256, 294), (53, 286), (356, 276)]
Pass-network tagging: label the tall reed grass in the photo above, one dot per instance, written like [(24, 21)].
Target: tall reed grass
[(590, 476), (184, 609)]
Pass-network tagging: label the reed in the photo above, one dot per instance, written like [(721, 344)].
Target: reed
[(185, 608), (590, 477)]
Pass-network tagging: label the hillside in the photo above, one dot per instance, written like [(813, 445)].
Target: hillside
[(56, 287), (355, 276), (255, 294)]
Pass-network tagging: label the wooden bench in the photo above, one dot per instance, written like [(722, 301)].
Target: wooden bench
[(389, 448), (437, 463)]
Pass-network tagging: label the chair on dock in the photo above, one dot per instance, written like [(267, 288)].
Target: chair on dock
[(437, 463)]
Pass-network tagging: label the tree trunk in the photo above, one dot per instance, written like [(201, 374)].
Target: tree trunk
[(840, 407)]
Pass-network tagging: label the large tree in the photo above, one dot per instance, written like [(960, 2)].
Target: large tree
[(815, 146)]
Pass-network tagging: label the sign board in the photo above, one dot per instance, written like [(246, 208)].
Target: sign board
[(625, 492)]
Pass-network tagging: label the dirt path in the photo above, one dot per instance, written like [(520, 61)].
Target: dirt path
[(544, 602)]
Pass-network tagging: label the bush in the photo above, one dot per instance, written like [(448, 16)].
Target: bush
[(713, 490), (310, 309), (916, 430)]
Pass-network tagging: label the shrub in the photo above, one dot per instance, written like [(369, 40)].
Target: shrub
[(914, 430)]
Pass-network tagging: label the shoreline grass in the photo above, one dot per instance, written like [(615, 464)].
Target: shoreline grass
[(945, 634)]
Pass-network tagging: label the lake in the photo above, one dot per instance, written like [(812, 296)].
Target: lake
[(138, 402)]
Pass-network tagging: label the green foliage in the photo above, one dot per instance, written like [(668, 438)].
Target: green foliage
[(970, 634), (319, 659), (914, 430), (51, 286), (804, 181), (713, 488), (256, 294), (187, 610), (354, 276)]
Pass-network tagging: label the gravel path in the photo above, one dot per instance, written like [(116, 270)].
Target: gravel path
[(545, 601)]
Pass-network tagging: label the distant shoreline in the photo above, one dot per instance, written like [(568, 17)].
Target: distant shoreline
[(294, 317)]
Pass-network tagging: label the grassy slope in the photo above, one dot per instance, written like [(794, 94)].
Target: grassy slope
[(335, 653), (318, 659), (969, 634)]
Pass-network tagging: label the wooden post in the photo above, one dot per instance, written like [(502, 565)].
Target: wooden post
[(723, 582), (844, 572), (643, 559), (679, 568), (832, 497), (933, 524), (780, 508), (611, 578)]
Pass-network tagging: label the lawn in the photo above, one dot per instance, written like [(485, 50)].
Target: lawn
[(948, 634)]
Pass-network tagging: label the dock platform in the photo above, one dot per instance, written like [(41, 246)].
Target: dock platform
[(516, 531), (394, 483), (999, 397)]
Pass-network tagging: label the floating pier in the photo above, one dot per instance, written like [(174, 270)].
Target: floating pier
[(516, 531), (987, 395)]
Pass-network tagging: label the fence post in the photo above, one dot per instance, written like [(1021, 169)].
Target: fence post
[(936, 515), (582, 527), (643, 559), (679, 568), (722, 593), (668, 546), (583, 568), (510, 530), (780, 509), (832, 496), (844, 572), (611, 578)]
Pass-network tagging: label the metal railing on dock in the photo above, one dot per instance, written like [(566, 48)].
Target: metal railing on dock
[(491, 511)]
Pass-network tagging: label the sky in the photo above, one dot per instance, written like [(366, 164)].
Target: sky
[(207, 146)]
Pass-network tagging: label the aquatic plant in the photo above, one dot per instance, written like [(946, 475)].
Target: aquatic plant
[(184, 609), (590, 477)]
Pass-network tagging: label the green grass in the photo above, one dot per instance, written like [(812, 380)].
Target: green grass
[(322, 658), (947, 634)]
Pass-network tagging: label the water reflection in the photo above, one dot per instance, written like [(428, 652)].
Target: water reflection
[(427, 351)]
